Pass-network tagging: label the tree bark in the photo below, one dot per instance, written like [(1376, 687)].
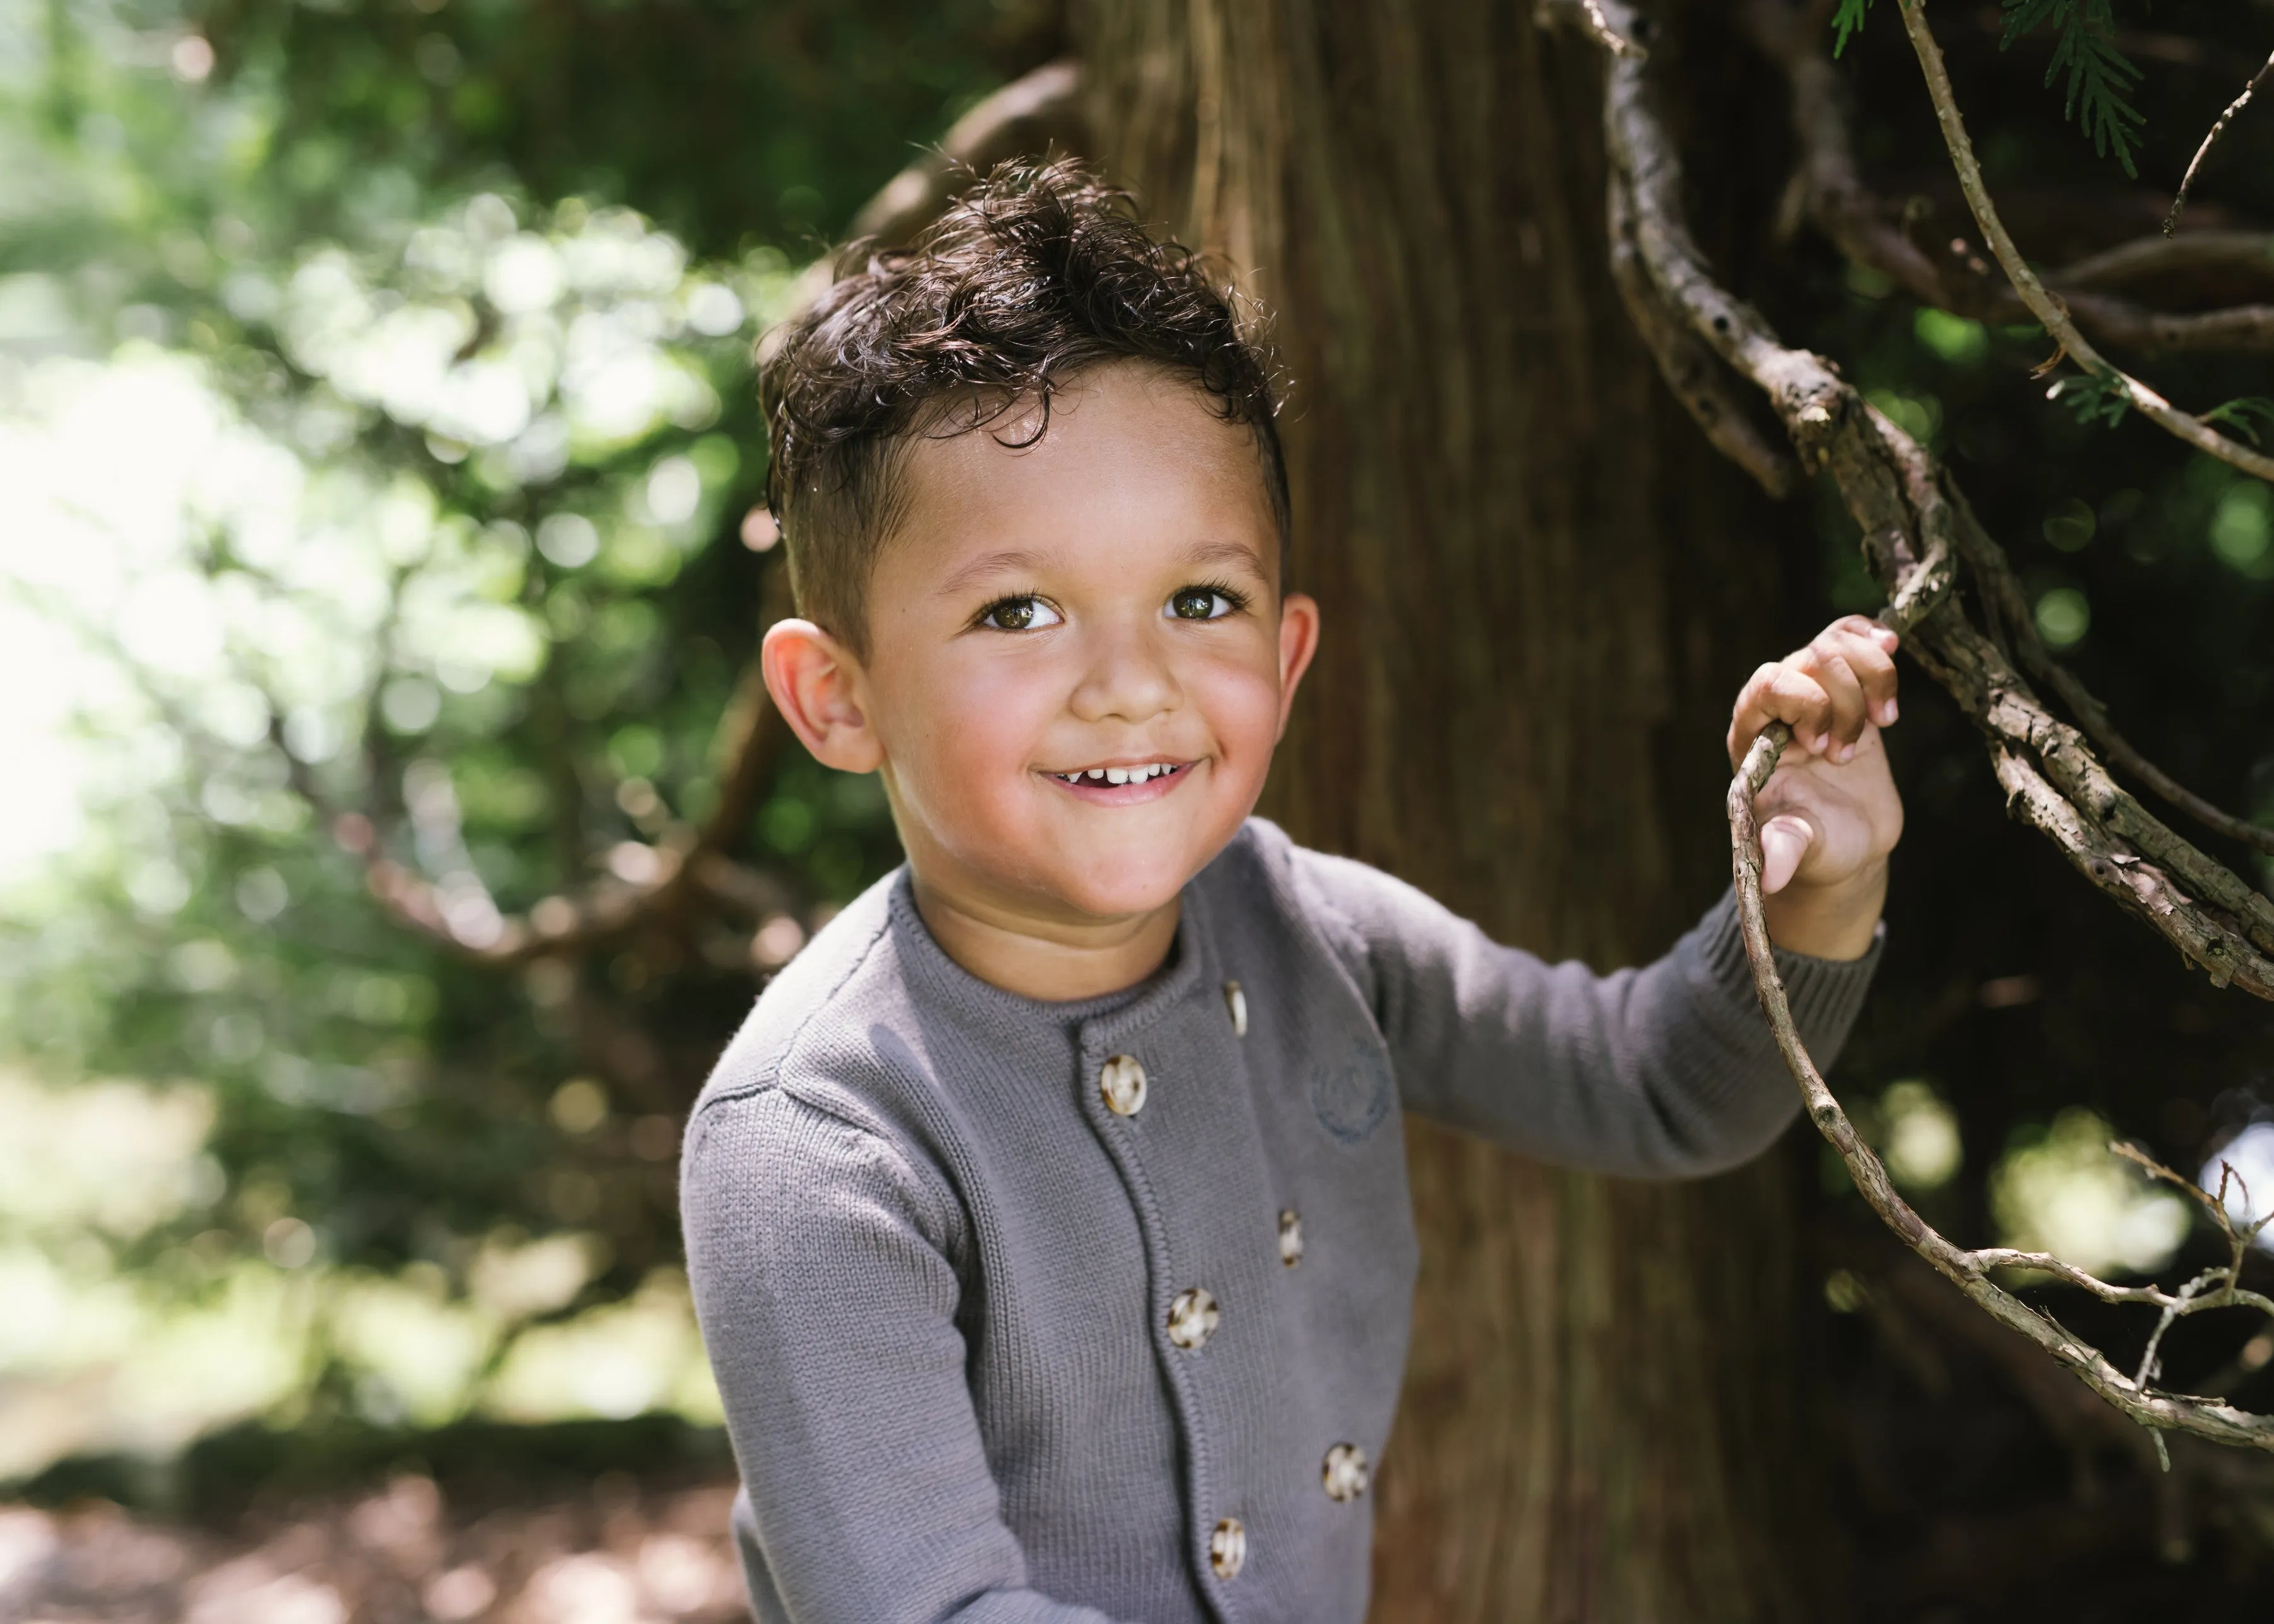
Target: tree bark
[(1541, 591)]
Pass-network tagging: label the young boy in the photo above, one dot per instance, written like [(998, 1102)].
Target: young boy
[(1048, 1221)]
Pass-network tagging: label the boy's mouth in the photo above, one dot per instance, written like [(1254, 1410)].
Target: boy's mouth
[(1138, 781)]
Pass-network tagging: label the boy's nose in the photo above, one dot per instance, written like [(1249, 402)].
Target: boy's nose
[(1128, 680)]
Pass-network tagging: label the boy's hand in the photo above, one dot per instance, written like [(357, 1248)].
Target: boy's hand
[(1829, 814)]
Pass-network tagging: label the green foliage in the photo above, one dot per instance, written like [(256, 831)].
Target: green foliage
[(2242, 415), (2093, 400), (378, 444), (1847, 20), (2101, 78)]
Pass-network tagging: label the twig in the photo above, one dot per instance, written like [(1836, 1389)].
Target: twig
[(2234, 252), (2050, 311), (684, 868), (1033, 112), (2212, 140), (1698, 380), (1590, 15)]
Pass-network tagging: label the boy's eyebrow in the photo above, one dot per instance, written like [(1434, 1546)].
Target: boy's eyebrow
[(1022, 561), (1223, 552), (1011, 561)]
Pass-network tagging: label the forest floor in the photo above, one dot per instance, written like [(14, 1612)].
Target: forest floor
[(621, 1553)]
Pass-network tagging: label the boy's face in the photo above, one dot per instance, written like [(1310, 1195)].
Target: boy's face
[(1103, 603)]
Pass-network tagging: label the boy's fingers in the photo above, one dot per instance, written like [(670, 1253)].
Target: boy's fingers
[(1785, 840), (1869, 656), (1845, 723), (1781, 693)]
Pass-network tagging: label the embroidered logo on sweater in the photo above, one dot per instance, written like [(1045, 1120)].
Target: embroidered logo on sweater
[(1353, 1098)]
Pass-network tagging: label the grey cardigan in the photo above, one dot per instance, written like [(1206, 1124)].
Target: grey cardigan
[(1005, 1334)]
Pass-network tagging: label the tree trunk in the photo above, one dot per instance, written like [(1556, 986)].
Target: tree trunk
[(1540, 592)]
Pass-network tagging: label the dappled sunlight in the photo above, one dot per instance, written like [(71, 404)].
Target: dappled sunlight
[(1919, 1136), (624, 1359), (100, 1356), (2069, 1195)]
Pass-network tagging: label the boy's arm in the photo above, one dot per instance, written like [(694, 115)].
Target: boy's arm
[(827, 1306), (1668, 1071)]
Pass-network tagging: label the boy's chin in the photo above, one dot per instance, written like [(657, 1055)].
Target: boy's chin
[(1127, 897), (1127, 885)]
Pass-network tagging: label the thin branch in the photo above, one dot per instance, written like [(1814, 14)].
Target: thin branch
[(1698, 380), (2050, 311), (2246, 252), (2211, 141), (1031, 114), (1589, 15), (686, 868)]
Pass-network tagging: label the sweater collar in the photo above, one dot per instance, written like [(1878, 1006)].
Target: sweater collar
[(1100, 1019)]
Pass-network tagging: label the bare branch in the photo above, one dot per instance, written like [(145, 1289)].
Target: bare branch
[(2211, 141), (1031, 114), (2050, 311), (1698, 380), (684, 870), (2246, 253), (1589, 15)]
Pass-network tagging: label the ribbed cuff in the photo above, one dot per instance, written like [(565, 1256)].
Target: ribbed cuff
[(1824, 993)]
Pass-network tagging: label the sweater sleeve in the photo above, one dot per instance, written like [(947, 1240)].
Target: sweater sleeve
[(1667, 1070), (824, 1285)]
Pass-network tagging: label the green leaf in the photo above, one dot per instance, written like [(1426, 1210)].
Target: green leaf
[(2101, 78), (2237, 415), (1847, 20), (2094, 399)]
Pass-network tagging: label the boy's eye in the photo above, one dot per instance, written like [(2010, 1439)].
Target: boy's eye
[(1019, 614), (1200, 603)]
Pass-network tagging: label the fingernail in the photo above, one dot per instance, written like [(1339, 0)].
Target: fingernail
[(1891, 714)]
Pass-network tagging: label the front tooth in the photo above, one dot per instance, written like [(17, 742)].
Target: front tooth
[(1115, 774), (1096, 775)]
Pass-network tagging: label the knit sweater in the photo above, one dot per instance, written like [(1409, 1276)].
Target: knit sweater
[(1091, 1313)]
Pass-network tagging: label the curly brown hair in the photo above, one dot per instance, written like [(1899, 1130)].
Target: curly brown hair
[(1038, 273)]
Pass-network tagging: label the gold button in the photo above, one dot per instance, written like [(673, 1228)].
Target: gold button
[(1192, 1319), (1290, 1238), (1235, 1001), (1228, 1548), (1122, 1082), (1347, 1472)]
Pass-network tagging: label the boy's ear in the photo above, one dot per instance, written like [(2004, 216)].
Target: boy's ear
[(817, 685), (1298, 640)]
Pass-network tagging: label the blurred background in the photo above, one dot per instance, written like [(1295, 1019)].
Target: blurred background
[(377, 563)]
